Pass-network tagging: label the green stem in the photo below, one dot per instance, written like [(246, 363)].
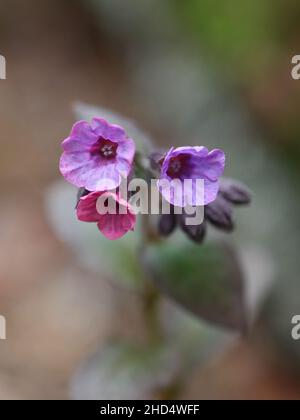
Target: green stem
[(151, 295), (151, 304)]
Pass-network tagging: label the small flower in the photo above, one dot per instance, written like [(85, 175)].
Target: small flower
[(97, 155), (113, 226), (191, 163)]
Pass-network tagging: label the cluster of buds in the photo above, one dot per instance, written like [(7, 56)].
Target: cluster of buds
[(99, 155), (219, 213)]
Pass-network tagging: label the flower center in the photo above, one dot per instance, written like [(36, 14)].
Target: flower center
[(176, 165), (105, 148)]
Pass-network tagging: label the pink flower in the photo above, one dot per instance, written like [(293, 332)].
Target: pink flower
[(113, 226), (97, 155)]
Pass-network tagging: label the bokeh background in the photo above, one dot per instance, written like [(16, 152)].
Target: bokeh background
[(193, 71)]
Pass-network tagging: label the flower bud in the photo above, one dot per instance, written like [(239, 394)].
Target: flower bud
[(156, 159), (167, 224), (196, 233), (81, 193), (235, 191), (220, 214)]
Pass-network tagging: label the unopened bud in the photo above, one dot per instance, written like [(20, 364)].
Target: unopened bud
[(235, 191), (156, 159), (167, 224), (220, 214), (196, 233), (81, 193)]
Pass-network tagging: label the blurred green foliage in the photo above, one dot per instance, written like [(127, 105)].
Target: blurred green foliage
[(252, 42), (206, 280), (233, 31)]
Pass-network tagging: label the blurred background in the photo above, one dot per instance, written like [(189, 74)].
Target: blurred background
[(189, 72)]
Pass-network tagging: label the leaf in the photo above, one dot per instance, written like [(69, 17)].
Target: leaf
[(124, 372), (87, 112), (204, 280)]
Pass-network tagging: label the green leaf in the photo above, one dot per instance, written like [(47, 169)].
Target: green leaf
[(204, 280)]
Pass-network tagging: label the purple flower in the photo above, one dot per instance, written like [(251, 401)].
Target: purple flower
[(97, 155), (191, 163)]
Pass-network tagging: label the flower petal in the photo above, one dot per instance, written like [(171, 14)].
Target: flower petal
[(83, 171), (103, 178), (109, 131), (73, 167), (115, 226), (126, 150), (213, 164), (211, 190), (87, 209), (81, 138)]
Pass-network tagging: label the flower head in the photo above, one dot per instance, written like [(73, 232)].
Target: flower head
[(97, 155), (192, 163), (113, 225)]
